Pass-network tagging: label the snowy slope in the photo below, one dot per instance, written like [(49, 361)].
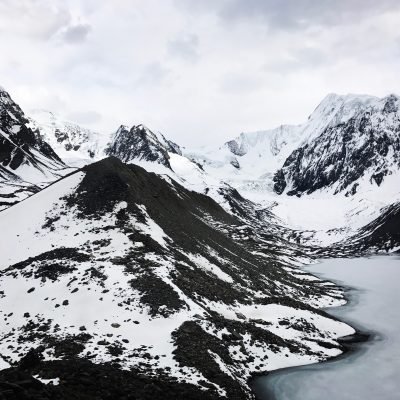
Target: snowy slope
[(254, 164), (249, 161), (381, 235), (115, 264), (74, 144)]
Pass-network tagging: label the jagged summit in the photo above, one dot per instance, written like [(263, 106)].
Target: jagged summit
[(335, 109), (27, 161), (140, 143), (349, 141)]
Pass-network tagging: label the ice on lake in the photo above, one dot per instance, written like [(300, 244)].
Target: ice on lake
[(372, 372)]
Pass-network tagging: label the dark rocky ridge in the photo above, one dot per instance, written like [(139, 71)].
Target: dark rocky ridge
[(141, 144), (183, 217), (384, 232)]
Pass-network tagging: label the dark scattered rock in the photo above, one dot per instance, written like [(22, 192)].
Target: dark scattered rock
[(31, 359), (160, 297), (82, 380)]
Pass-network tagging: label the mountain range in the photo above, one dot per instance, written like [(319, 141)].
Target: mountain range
[(132, 266)]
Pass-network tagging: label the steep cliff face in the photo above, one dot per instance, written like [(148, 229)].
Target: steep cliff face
[(19, 144), (360, 144), (27, 161)]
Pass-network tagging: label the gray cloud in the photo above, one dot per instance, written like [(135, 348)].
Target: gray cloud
[(76, 33), (153, 74), (240, 83), (184, 46), (292, 14), (200, 71), (304, 58)]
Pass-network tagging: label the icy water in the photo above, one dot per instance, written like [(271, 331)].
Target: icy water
[(372, 371)]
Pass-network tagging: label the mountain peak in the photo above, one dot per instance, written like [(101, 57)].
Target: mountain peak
[(141, 144), (3, 91), (356, 140), (345, 106)]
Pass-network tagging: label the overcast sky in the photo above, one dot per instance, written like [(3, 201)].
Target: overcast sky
[(200, 71)]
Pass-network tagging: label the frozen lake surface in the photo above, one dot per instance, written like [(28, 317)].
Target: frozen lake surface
[(373, 370)]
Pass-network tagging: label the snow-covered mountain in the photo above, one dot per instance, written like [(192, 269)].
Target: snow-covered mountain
[(358, 144), (118, 265), (349, 147), (347, 142), (27, 161), (74, 144), (345, 158), (171, 272), (249, 161)]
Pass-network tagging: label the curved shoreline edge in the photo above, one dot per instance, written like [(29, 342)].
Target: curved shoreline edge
[(351, 344)]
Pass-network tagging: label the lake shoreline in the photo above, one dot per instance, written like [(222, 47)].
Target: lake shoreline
[(351, 344)]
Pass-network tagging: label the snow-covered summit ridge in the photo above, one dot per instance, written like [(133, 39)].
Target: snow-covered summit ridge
[(337, 109), (347, 140), (272, 141), (71, 141), (334, 109)]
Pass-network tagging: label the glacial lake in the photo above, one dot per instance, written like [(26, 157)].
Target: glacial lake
[(372, 370)]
